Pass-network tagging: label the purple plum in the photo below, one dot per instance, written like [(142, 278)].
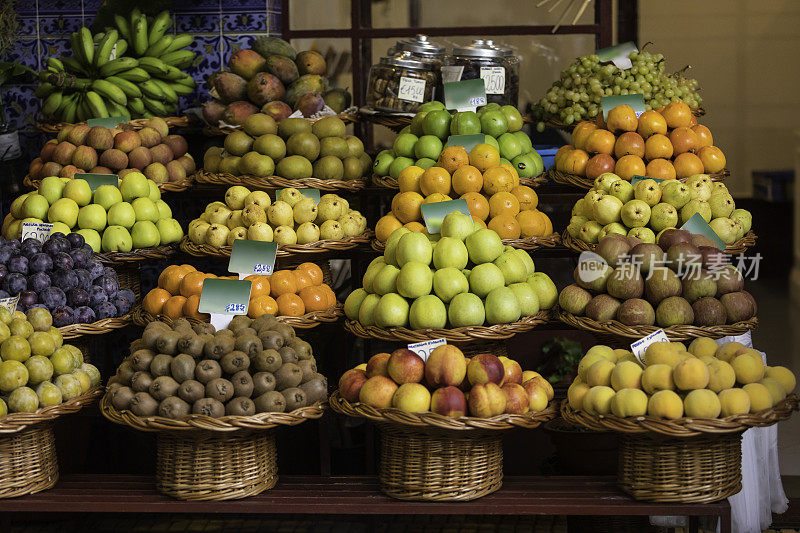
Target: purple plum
[(109, 284), (5, 254), (3, 272), (83, 278), (30, 247), (63, 316), (27, 299), (97, 295), (40, 262), (95, 269), (109, 271), (4, 294), (53, 298), (77, 297), (14, 283), (65, 280), (123, 306), (38, 282), (128, 295), (14, 244), (105, 310), (76, 240), (18, 264), (63, 261), (84, 315), (55, 244)]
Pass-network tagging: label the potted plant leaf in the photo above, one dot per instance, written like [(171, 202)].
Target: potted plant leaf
[(9, 136)]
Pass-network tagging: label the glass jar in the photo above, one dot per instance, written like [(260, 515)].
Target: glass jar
[(511, 62), (423, 49), (401, 83), (485, 60)]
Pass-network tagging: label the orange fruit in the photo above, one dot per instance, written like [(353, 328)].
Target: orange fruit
[(192, 283), (650, 123), (405, 206), (165, 273), (622, 118), (660, 168), (498, 179), (386, 226), (433, 180), (483, 157), (687, 164), (531, 224), (629, 166), (503, 203), (506, 226), (436, 197), (511, 170), (452, 158), (301, 280), (704, 137), (561, 154), (548, 224), (677, 114), (467, 179), (478, 204), (712, 158), (259, 285), (528, 199), (683, 139), (658, 146), (478, 223), (408, 180), (282, 282), (416, 227), (290, 305), (581, 132), (173, 307), (262, 305), (170, 279), (313, 271), (153, 302), (329, 292), (190, 308), (314, 299)]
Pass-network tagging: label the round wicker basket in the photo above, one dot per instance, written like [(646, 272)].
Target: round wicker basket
[(431, 457), (393, 121), (737, 247), (140, 317), (167, 186), (583, 182), (389, 182), (138, 255), (135, 124), (271, 183), (314, 250), (529, 243), (76, 331), (213, 131)]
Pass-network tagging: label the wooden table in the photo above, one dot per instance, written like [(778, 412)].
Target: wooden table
[(354, 495)]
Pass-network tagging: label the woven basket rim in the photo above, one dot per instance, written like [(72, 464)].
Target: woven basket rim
[(457, 335), (15, 422), (168, 186), (137, 123), (75, 331), (213, 131), (675, 333), (284, 250), (737, 247), (439, 422), (138, 255), (140, 317), (565, 178), (225, 424), (271, 183), (681, 427)]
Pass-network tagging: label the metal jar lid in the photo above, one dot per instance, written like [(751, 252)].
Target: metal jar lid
[(406, 60), (420, 45), (479, 48), (506, 51)]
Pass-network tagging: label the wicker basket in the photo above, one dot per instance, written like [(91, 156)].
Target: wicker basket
[(393, 121), (213, 131), (28, 462), (204, 458), (738, 247), (681, 333), (583, 182), (389, 182), (138, 255), (272, 183), (431, 457), (529, 243), (76, 331), (314, 250), (558, 125), (135, 124), (167, 186), (140, 317)]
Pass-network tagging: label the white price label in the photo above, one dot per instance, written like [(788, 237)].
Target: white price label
[(411, 89), (495, 79), (424, 348), (113, 55), (452, 73), (641, 345), (38, 230), (10, 303)]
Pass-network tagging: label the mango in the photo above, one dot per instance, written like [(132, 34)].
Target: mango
[(310, 62), (308, 83), (247, 63), (237, 112), (230, 87), (264, 87), (267, 46), (282, 68)]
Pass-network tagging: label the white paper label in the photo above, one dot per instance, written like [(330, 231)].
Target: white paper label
[(452, 73), (411, 89), (9, 146), (495, 79), (622, 63), (641, 345), (113, 55), (424, 348), (38, 230), (220, 321), (10, 303)]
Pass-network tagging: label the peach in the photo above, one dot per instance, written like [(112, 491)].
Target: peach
[(517, 401), (405, 366), (376, 366), (350, 384), (511, 370), (486, 400), (485, 368), (541, 383), (377, 392), (449, 401), (446, 366)]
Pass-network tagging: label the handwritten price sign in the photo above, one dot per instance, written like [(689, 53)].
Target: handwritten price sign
[(411, 89), (38, 230), (10, 303), (262, 269), (495, 79), (424, 349), (236, 309)]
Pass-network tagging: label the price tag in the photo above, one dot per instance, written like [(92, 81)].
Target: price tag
[(467, 141), (108, 122), (96, 180), (434, 213), (113, 55), (252, 257), (424, 349), (465, 95), (494, 79), (310, 193), (637, 178), (641, 345), (618, 54), (452, 73), (38, 230), (636, 101), (411, 89), (10, 303), (697, 225), (225, 296)]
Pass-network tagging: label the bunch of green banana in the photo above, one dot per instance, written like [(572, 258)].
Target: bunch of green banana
[(134, 70)]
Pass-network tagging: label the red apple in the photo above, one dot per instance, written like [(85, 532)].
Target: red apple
[(350, 384), (377, 391), (485, 368), (512, 370)]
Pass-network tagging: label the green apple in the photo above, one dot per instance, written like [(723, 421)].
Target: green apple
[(145, 234), (465, 123), (466, 309), (164, 210), (170, 230), (494, 123), (509, 146), (425, 162), (64, 210), (154, 193), (457, 225), (415, 280), (622, 189), (382, 163), (545, 289), (449, 282), (79, 191), (392, 310), (385, 280), (35, 206), (437, 122), (527, 298), (743, 216), (604, 181), (502, 306), (353, 302), (647, 191), (696, 206), (427, 312), (416, 124), (486, 277), (725, 228), (663, 216), (513, 118), (134, 185), (635, 213), (450, 252), (16, 205), (404, 144), (122, 214), (59, 227), (721, 204), (390, 249), (590, 231), (145, 209), (433, 105), (512, 266), (398, 165), (92, 238), (484, 246), (526, 258), (413, 247), (51, 188), (675, 193), (607, 209), (643, 234), (107, 195), (369, 276), (92, 216), (367, 309), (116, 239), (608, 229)]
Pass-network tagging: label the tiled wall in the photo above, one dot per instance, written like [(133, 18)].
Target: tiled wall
[(220, 27)]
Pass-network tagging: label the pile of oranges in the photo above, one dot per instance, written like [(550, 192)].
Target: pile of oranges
[(665, 143), (284, 293), (492, 190)]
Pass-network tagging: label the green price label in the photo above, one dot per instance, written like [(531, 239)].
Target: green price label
[(96, 180), (465, 95), (225, 296), (618, 54), (310, 193), (108, 122), (434, 213), (637, 178), (252, 257), (697, 225), (467, 141), (636, 101)]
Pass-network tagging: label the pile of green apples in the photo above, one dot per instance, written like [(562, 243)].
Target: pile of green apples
[(466, 277), (110, 218), (646, 209), (421, 142)]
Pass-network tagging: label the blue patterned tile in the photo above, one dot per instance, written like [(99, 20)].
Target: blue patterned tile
[(274, 5), (60, 7), (90, 7), (196, 6), (27, 25), (21, 105), (196, 23), (245, 5), (234, 42), (242, 22), (274, 24), (207, 61), (59, 25), (25, 52), (54, 47)]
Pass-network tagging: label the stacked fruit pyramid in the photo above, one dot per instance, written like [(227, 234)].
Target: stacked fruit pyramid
[(134, 70)]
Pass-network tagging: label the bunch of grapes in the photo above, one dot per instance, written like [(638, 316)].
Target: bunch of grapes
[(576, 95)]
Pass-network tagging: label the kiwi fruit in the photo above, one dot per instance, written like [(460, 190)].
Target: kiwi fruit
[(167, 342), (125, 372), (208, 407), (163, 387), (308, 367), (140, 359), (287, 376), (160, 364), (173, 407), (182, 367), (191, 344), (191, 391), (142, 404), (267, 361), (295, 398), (204, 328), (239, 322), (220, 389), (218, 347), (121, 398), (270, 402), (150, 336), (316, 389), (141, 381), (262, 322), (249, 344), (112, 386), (240, 406), (285, 330), (301, 348), (263, 382), (137, 345), (271, 339), (234, 362), (247, 331), (242, 384), (181, 324), (288, 355), (224, 331), (206, 370)]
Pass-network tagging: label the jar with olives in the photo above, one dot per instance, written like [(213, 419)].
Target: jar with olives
[(401, 83), (496, 65)]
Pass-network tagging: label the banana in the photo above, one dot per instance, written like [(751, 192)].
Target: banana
[(135, 74), (109, 91), (151, 90), (44, 89), (130, 89), (179, 41), (179, 58), (82, 112), (159, 47), (72, 65), (96, 105), (77, 48), (103, 52), (116, 110), (155, 107), (180, 89), (97, 37), (169, 94), (173, 74), (55, 64), (69, 110), (136, 105), (160, 25), (122, 45), (123, 26), (52, 103), (153, 66), (118, 65), (139, 35), (186, 81), (87, 45)]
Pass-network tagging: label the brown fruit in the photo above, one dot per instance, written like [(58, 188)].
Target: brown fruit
[(100, 170), (68, 171), (629, 142), (100, 138), (175, 171), (62, 154), (599, 164), (47, 150), (246, 63), (238, 111), (84, 158), (449, 401), (114, 159), (35, 167), (282, 68), (350, 384), (149, 137), (177, 144), (127, 141), (140, 157), (158, 124), (230, 87), (377, 365), (265, 87), (77, 135), (213, 111), (277, 110), (377, 391), (309, 104), (161, 154), (188, 163)]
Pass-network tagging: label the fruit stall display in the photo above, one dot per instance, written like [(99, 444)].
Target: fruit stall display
[(697, 399), (429, 412), (135, 70), (647, 209), (667, 144), (231, 387), (296, 152), (681, 285)]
